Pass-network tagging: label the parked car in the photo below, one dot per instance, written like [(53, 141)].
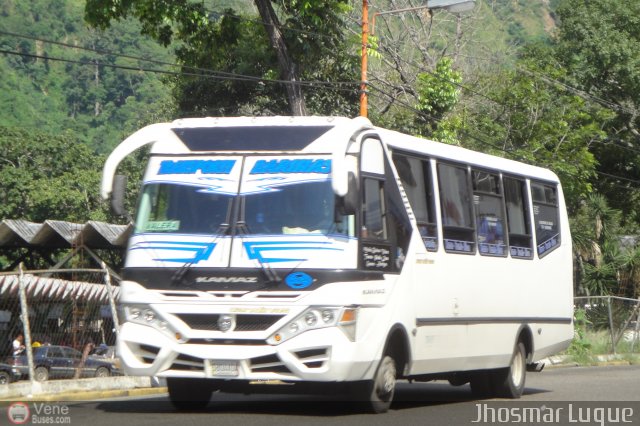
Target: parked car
[(60, 362), (108, 354), (8, 374)]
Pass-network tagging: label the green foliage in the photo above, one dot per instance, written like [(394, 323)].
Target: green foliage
[(598, 44), (48, 177), (541, 124), (580, 348), (235, 45), (99, 104), (438, 93)]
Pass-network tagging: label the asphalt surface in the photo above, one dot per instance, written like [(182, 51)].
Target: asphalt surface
[(571, 396)]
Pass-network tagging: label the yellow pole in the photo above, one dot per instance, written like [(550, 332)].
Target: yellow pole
[(363, 76)]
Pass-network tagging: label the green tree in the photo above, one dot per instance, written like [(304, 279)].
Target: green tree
[(527, 119), (438, 94), (598, 43), (303, 40), (48, 177)]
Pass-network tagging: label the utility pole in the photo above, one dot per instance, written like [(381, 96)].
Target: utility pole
[(363, 68)]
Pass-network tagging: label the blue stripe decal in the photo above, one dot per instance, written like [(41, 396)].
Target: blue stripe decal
[(202, 251), (255, 249)]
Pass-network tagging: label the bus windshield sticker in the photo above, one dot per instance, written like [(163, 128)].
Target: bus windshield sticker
[(162, 226)]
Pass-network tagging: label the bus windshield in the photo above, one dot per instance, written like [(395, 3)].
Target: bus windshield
[(299, 208), (184, 209)]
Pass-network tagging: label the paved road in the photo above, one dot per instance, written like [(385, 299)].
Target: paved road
[(570, 396)]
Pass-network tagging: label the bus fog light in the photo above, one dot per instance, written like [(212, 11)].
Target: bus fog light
[(134, 313), (327, 316), (294, 327), (149, 315), (311, 319)]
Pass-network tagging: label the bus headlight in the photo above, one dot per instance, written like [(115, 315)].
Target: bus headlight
[(145, 315), (318, 317)]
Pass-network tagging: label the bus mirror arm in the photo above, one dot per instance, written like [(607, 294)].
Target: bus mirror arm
[(118, 194), (142, 137), (348, 204)]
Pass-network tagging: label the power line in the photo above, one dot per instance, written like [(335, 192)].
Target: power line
[(207, 73), (510, 154)]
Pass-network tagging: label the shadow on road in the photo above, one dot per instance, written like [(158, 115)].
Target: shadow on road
[(407, 396)]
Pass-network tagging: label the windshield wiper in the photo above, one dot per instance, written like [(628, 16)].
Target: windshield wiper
[(271, 275), (178, 277)]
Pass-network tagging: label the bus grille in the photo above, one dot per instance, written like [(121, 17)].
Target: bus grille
[(187, 363), (268, 364), (313, 358), (209, 322)]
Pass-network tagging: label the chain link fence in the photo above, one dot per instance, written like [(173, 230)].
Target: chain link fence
[(66, 314), (610, 324)]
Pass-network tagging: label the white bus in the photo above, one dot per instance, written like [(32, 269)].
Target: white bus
[(303, 254)]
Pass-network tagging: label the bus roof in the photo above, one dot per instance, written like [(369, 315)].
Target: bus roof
[(454, 153)]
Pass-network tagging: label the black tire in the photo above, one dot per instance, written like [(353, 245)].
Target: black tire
[(41, 374), (190, 394), (509, 382), (103, 372), (5, 378), (376, 395)]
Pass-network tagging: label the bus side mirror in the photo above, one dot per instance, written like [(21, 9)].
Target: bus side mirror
[(118, 195), (348, 204)]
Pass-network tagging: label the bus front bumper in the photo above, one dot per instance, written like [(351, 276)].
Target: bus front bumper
[(321, 355)]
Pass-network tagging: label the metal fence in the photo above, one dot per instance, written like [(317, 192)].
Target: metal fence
[(73, 308), (611, 324)]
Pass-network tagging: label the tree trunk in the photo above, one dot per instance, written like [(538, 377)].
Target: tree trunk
[(287, 66)]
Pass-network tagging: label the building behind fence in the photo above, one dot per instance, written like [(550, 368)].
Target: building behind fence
[(73, 307)]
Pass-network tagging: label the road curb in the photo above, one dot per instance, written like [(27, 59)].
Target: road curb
[(91, 395)]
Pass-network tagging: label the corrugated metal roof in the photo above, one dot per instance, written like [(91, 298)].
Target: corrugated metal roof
[(61, 234), (55, 289)]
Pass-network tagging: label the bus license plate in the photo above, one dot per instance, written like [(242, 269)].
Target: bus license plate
[(223, 368)]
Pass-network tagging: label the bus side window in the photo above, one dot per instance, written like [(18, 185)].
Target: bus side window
[(417, 181), (487, 198), (520, 241), (545, 216), (458, 228), (373, 210)]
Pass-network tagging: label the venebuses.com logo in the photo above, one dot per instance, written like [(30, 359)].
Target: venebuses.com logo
[(19, 413)]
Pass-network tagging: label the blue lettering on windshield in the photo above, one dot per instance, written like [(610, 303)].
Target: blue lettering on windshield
[(191, 167), (304, 165)]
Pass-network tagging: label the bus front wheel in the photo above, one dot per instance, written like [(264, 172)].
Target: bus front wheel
[(377, 394)]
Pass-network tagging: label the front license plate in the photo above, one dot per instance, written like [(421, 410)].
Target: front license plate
[(223, 368)]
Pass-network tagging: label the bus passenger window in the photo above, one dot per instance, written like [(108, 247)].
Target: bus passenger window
[(458, 228), (545, 216), (487, 198), (520, 241), (373, 224), (417, 181)]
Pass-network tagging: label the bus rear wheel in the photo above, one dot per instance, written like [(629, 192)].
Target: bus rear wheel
[(509, 382), (189, 394), (503, 382)]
